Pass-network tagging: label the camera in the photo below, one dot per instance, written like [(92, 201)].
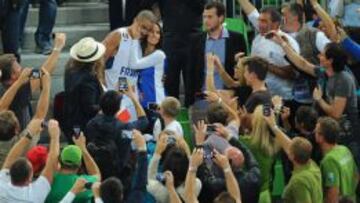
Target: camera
[(171, 140), (208, 153), (161, 178), (267, 110), (35, 74), (153, 106), (88, 185), (123, 85), (77, 131), (211, 128)]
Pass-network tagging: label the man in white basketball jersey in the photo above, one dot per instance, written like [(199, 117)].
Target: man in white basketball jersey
[(118, 45), (118, 50)]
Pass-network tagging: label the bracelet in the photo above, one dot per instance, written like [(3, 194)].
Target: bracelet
[(219, 101), (227, 169), (192, 169), (56, 49)]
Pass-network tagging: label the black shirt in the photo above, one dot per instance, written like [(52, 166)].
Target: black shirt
[(261, 97), (21, 105)]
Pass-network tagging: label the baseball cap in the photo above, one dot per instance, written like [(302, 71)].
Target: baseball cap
[(37, 157), (71, 155)]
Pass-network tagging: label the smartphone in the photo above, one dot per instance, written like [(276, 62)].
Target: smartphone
[(88, 185), (35, 74), (160, 177), (211, 128), (123, 85), (269, 35), (127, 134), (171, 140), (77, 131), (153, 106), (267, 110), (44, 124), (208, 153)]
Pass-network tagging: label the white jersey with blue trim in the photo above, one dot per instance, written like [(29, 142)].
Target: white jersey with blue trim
[(121, 64)]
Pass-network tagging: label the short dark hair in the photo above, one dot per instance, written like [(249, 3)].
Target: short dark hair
[(273, 12), (307, 116), (224, 197), (257, 65), (146, 15), (329, 129), (217, 114), (110, 103), (111, 190), (20, 171), (177, 162), (8, 125), (297, 10), (220, 8), (301, 149), (335, 52), (6, 62)]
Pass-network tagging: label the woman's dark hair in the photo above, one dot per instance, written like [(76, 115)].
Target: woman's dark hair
[(144, 42), (307, 116), (177, 162), (111, 190), (95, 68), (335, 52)]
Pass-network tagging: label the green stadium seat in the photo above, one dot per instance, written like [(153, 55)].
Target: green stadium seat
[(238, 25), (183, 119)]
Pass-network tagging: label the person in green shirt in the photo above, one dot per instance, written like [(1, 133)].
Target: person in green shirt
[(305, 185), (265, 148), (338, 168), (70, 160)]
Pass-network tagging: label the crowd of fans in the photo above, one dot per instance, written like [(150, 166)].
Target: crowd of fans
[(293, 99)]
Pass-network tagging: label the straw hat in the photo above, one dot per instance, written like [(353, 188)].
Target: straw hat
[(87, 50)]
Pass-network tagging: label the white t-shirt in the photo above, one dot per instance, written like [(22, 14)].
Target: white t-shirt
[(173, 126), (36, 192), (273, 53)]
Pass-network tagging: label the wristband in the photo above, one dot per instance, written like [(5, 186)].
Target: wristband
[(227, 169), (56, 49), (192, 169)]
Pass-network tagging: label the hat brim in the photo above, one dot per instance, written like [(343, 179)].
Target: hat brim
[(98, 55)]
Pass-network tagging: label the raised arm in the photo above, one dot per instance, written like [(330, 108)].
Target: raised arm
[(294, 57), (33, 129), (281, 137), (139, 109), (148, 61), (336, 108), (190, 181), (154, 163), (50, 64), (112, 43), (43, 103), (246, 6), (169, 182), (231, 182), (10, 93), (52, 160), (326, 19), (90, 164), (210, 63)]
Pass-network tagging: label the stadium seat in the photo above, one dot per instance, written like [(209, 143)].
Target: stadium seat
[(238, 25)]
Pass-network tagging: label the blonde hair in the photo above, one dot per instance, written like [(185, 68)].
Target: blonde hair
[(260, 134)]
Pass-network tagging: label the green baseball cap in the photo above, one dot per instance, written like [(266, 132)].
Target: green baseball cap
[(71, 155)]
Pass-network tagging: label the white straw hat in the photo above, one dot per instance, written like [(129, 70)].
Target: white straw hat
[(87, 50)]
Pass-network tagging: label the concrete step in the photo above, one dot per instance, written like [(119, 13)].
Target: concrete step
[(74, 34), (74, 13)]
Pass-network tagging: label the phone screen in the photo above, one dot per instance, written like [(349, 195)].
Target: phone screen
[(123, 85)]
